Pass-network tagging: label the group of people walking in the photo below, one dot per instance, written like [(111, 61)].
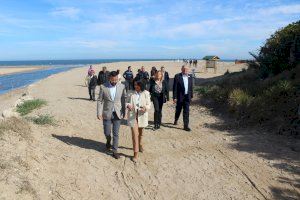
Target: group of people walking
[(193, 62), (132, 100)]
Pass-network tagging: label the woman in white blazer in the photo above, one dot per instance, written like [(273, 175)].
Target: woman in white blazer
[(138, 105)]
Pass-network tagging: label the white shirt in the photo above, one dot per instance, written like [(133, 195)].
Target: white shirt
[(113, 90), (137, 99), (186, 83)]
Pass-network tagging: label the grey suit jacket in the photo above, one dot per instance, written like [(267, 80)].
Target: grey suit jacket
[(105, 104)]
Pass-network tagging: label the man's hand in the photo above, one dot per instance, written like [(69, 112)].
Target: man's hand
[(174, 101), (100, 117)]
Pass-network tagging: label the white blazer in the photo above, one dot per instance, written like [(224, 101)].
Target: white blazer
[(144, 102)]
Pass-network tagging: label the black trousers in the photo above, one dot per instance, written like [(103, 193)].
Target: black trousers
[(168, 91), (92, 93), (129, 85), (185, 105), (158, 102)]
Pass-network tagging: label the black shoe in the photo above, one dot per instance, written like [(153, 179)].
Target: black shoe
[(187, 129), (116, 155), (108, 145), (175, 122), (155, 127), (158, 126)]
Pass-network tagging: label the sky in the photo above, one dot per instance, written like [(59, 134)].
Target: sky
[(137, 29)]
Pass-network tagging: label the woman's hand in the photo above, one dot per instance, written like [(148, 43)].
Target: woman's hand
[(130, 107), (142, 109)]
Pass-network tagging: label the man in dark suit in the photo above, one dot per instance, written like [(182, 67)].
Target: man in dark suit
[(182, 95), (103, 76)]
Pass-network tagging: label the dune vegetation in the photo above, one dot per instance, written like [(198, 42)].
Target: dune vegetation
[(268, 93)]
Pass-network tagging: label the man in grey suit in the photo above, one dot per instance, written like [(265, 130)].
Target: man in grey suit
[(111, 109)]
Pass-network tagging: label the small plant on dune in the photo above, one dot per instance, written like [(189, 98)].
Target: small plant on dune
[(203, 90), (282, 89), (30, 105), (42, 120), (217, 93), (239, 100)]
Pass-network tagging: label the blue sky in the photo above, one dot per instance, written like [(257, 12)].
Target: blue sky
[(84, 29)]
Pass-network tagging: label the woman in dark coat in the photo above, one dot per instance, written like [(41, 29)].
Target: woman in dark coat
[(158, 91)]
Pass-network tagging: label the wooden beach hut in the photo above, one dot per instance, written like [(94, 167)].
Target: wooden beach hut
[(211, 62)]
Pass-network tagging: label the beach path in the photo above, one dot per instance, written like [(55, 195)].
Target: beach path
[(69, 161)]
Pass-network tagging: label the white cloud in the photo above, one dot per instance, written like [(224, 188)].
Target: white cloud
[(286, 9), (69, 12), (73, 43)]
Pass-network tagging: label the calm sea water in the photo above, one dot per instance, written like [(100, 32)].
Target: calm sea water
[(67, 62), (14, 81)]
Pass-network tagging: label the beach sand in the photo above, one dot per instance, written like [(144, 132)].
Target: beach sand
[(13, 70), (68, 161)]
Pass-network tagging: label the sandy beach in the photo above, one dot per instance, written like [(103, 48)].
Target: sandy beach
[(68, 161), (13, 70)]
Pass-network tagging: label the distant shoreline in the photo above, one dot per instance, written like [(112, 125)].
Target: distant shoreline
[(82, 62), (16, 70)]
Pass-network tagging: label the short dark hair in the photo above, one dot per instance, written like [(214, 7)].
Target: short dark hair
[(129, 67), (113, 74), (141, 84)]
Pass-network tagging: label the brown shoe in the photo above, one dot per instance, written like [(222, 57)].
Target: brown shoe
[(116, 155)]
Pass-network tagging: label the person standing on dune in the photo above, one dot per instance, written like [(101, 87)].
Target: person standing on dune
[(111, 109)]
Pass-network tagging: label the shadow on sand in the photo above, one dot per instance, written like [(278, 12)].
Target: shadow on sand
[(87, 144)]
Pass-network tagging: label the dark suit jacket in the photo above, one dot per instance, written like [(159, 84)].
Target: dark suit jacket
[(103, 77), (178, 88), (154, 94)]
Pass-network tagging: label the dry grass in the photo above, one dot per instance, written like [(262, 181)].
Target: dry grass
[(26, 188), (16, 126)]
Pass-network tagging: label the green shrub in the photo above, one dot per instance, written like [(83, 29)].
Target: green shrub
[(281, 89), (279, 100), (276, 55), (215, 92), (203, 90), (239, 101), (42, 120), (28, 106)]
